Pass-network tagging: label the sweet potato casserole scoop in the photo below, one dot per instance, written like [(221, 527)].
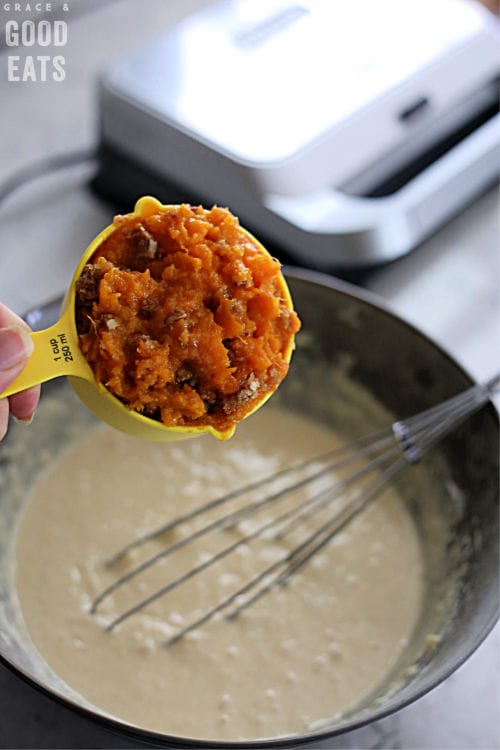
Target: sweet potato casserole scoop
[(185, 317)]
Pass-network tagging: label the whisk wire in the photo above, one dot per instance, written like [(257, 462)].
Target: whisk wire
[(228, 497), (388, 452), (234, 516), (226, 521), (292, 561), (325, 535), (200, 567)]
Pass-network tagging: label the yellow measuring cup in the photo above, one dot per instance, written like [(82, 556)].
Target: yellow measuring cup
[(57, 352)]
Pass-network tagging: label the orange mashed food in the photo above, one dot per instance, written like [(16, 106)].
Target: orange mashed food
[(184, 317)]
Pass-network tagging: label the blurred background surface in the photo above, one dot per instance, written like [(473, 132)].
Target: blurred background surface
[(448, 286)]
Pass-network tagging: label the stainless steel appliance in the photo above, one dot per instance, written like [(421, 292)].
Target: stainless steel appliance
[(342, 132)]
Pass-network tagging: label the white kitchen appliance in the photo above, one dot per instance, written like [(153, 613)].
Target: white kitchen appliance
[(342, 132)]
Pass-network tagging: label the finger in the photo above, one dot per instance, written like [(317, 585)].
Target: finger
[(16, 345), (9, 319), (4, 417), (23, 405)]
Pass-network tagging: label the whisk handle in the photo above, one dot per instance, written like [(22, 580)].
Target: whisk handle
[(493, 385)]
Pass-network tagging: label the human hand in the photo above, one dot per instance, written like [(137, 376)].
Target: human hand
[(15, 347)]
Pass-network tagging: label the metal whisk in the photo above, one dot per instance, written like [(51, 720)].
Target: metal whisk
[(376, 458)]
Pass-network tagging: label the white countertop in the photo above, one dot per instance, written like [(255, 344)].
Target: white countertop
[(449, 287)]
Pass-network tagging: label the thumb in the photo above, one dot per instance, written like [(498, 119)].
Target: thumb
[(16, 346)]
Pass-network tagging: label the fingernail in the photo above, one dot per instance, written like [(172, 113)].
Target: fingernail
[(15, 345), (23, 420)]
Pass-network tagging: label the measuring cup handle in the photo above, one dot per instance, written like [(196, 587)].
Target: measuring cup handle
[(55, 353)]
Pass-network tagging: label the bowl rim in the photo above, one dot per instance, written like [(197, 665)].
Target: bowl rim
[(122, 727)]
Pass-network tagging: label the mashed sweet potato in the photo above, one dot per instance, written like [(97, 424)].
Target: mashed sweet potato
[(183, 317)]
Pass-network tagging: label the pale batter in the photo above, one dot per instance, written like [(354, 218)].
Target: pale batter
[(303, 654)]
